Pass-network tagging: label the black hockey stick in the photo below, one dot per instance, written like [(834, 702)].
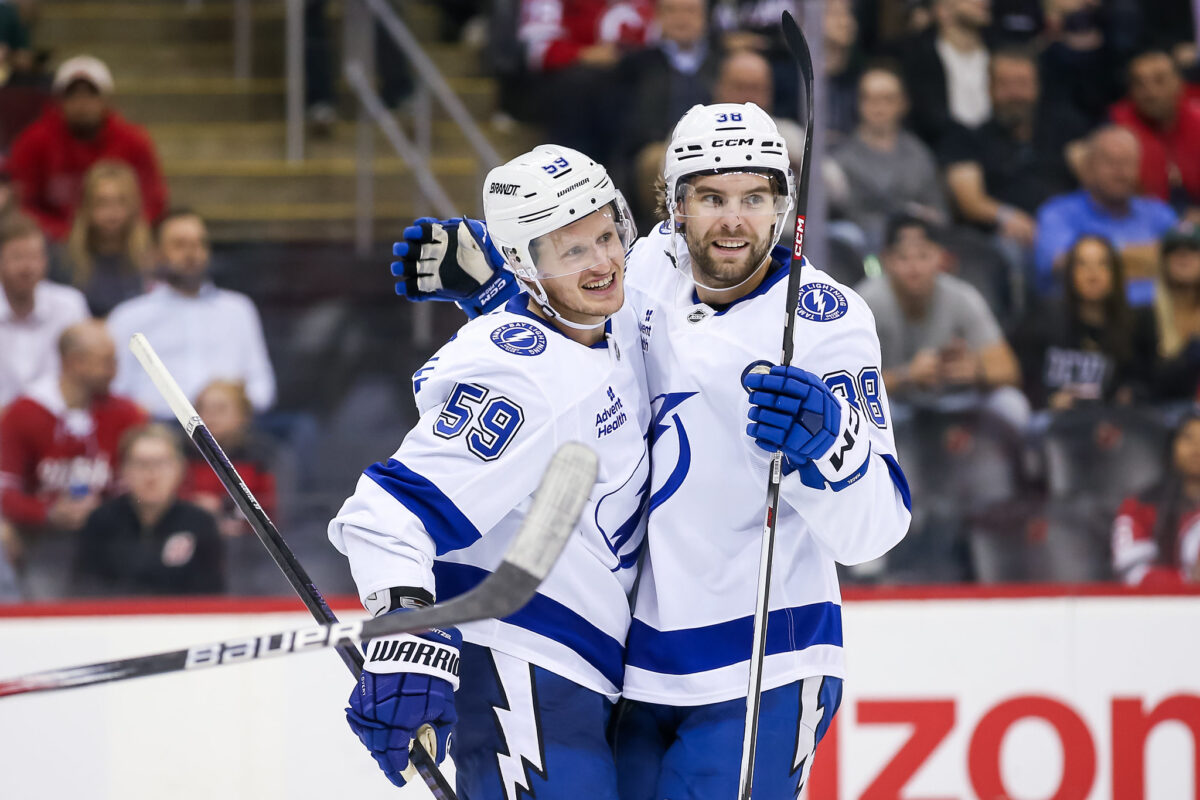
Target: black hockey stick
[(796, 43), (552, 517), (269, 535)]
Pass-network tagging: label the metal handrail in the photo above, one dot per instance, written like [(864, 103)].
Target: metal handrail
[(431, 77), (360, 19)]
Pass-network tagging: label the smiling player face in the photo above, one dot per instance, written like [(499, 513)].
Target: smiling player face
[(729, 223), (581, 266)]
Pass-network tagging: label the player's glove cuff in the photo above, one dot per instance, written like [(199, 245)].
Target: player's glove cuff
[(848, 458), (433, 653)]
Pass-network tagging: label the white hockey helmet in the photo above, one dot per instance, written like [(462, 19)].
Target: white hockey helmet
[(728, 137), (541, 191)]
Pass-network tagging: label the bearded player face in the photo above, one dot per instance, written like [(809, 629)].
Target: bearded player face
[(728, 222)]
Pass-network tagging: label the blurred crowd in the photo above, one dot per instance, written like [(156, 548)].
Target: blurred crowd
[(1013, 187)]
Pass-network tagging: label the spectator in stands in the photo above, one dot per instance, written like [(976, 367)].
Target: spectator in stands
[(1156, 535), (660, 82), (745, 77), (51, 156), (108, 252), (882, 169), (1002, 171), (946, 70), (148, 541), (1167, 125), (1177, 311), (33, 311), (1015, 23), (320, 98), (227, 412), (754, 25), (941, 344), (15, 53), (573, 47), (843, 68), (58, 442), (1078, 65), (1087, 345), (202, 333), (1108, 205), (8, 203)]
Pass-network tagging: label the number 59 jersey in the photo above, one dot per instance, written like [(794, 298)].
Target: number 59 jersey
[(496, 402), (690, 641)]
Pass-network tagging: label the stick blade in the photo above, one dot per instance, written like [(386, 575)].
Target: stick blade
[(557, 504), (139, 345), (793, 37)]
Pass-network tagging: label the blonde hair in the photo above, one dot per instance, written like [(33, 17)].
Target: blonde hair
[(235, 389), (137, 232), (1171, 340)]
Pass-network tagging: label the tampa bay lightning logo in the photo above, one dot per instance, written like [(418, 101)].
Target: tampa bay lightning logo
[(820, 302), (667, 422), (621, 515), (520, 339)]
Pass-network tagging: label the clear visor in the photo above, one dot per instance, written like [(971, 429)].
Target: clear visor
[(594, 242), (747, 195)]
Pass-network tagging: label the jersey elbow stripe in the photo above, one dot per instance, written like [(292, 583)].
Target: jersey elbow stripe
[(692, 650), (898, 478), (443, 521), (545, 617)]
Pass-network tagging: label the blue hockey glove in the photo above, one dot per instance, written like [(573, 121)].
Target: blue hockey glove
[(452, 259), (792, 410), (408, 681)]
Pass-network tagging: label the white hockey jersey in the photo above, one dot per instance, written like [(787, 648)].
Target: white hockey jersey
[(690, 640), (496, 402)]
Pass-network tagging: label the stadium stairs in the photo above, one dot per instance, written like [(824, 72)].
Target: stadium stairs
[(222, 140)]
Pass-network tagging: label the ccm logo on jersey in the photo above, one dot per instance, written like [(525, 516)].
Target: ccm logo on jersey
[(520, 339), (731, 142), (820, 302), (503, 188)]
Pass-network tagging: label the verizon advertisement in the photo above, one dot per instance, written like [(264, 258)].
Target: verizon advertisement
[(1009, 695)]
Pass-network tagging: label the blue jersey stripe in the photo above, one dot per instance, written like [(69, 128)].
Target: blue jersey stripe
[(898, 478), (446, 525), (692, 650), (545, 617)]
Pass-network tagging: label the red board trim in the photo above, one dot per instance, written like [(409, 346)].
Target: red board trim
[(350, 605)]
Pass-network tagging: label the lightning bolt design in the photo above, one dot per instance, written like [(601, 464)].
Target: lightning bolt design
[(520, 727), (811, 714), (519, 337), (819, 301)]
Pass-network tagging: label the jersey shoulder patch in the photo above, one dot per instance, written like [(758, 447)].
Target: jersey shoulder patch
[(519, 338), (821, 302)]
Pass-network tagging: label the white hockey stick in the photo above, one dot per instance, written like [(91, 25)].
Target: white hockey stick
[(271, 539), (552, 517)]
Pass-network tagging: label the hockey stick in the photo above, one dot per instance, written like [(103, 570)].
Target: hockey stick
[(552, 517), (796, 43), (269, 535)]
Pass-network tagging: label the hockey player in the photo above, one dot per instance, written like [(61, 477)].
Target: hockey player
[(559, 362), (709, 287), (709, 290)]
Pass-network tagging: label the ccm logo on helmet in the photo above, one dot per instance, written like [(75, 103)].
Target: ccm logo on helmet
[(731, 142), (502, 188)]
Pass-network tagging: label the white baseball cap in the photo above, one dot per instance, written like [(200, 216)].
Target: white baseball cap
[(83, 68)]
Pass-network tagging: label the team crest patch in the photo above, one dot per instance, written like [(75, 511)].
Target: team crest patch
[(820, 302), (520, 339)]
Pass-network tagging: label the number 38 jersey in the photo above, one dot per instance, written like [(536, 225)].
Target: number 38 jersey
[(690, 640), (496, 402)]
